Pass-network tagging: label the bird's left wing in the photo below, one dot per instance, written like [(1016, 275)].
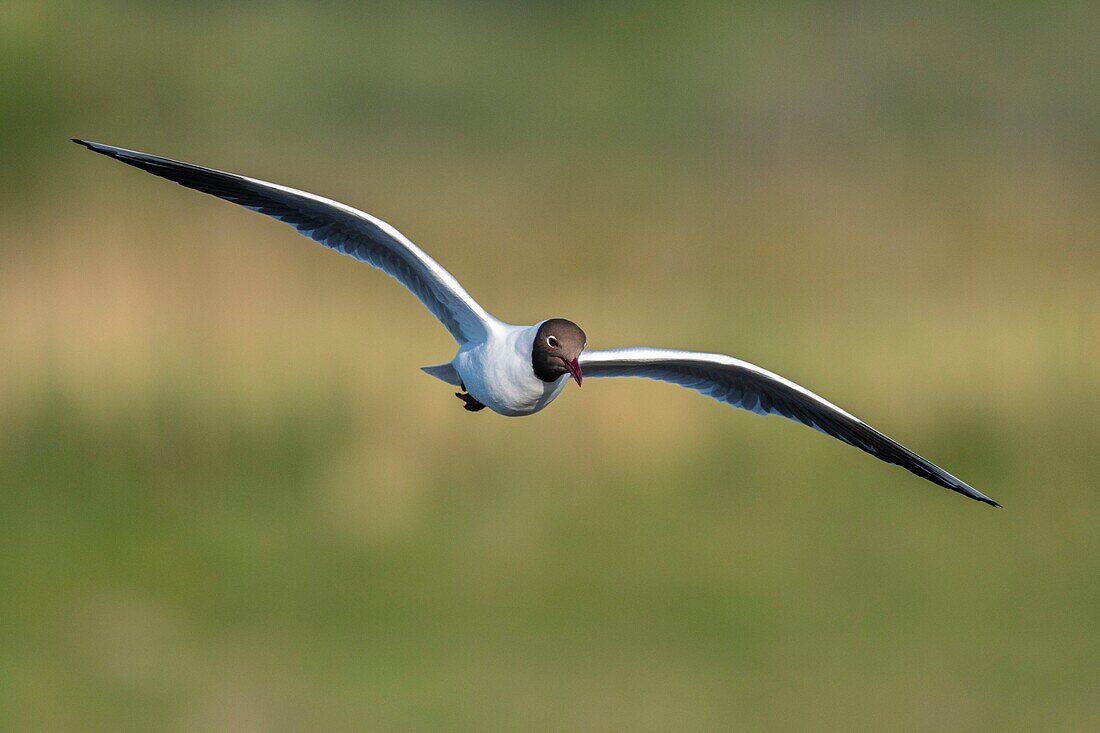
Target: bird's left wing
[(335, 225), (749, 387)]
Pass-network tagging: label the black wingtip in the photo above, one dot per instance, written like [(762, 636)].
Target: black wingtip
[(94, 147), (985, 500)]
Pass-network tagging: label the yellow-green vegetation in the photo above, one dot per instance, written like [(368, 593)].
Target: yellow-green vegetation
[(229, 500)]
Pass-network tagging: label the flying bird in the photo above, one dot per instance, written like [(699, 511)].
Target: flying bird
[(519, 370)]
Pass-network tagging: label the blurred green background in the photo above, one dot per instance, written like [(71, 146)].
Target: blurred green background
[(229, 500)]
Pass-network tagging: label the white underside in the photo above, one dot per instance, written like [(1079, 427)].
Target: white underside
[(497, 372)]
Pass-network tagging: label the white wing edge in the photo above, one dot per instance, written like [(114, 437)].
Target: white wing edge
[(654, 357), (436, 271), (643, 355)]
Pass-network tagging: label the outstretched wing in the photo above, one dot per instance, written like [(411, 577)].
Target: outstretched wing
[(339, 227), (749, 387)]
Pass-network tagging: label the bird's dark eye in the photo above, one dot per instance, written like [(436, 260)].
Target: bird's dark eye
[(551, 342)]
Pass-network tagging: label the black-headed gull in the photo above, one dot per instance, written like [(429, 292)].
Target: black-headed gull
[(519, 370)]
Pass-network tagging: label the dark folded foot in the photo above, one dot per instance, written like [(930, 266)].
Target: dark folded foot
[(469, 403)]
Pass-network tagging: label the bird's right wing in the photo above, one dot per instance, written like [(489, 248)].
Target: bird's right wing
[(335, 225), (749, 387)]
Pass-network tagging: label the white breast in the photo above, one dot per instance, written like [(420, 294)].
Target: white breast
[(498, 373)]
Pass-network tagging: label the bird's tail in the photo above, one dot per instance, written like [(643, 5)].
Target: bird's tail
[(445, 372)]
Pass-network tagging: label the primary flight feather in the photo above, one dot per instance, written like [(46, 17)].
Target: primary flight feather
[(519, 370)]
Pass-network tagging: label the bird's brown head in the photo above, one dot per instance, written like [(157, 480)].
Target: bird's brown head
[(557, 350)]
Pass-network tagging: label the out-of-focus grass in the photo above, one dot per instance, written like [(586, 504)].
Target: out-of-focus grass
[(228, 498)]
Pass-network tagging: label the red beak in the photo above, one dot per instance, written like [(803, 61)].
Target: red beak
[(574, 368)]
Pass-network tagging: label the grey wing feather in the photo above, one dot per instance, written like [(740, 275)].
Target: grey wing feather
[(749, 387), (335, 225)]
